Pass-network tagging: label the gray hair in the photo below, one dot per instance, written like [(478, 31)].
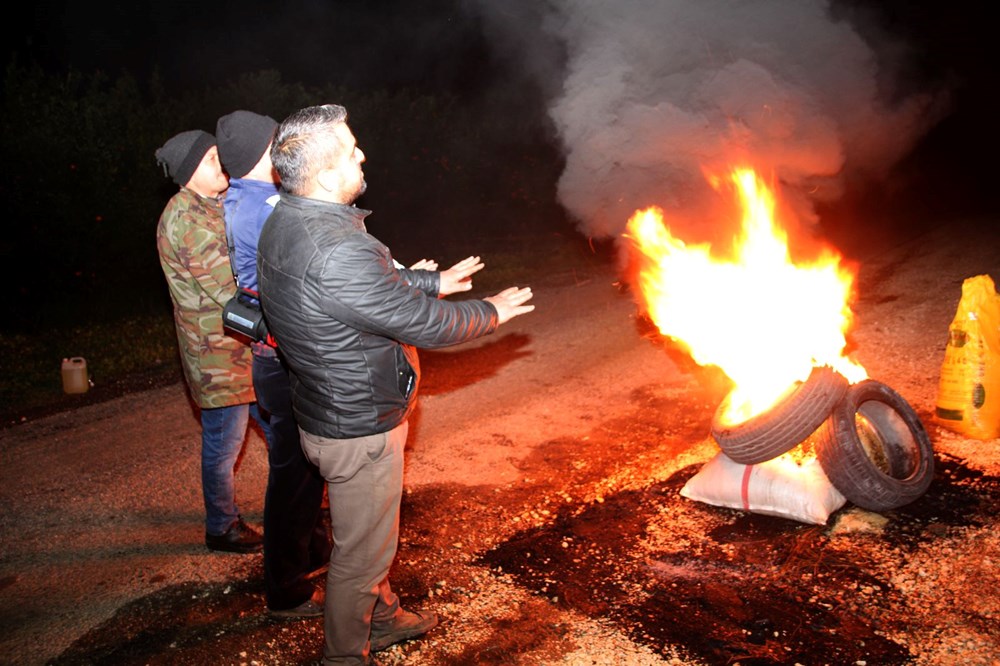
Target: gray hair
[(305, 143)]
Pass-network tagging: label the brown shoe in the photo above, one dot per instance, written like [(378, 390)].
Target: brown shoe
[(319, 572), (241, 538), (406, 625)]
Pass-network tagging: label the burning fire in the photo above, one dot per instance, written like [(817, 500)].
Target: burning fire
[(762, 319)]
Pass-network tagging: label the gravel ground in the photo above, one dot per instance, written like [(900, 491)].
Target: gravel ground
[(542, 517)]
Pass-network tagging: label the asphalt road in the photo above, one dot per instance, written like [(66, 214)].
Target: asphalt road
[(541, 517)]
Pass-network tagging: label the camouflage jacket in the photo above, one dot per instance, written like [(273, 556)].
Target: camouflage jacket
[(191, 240)]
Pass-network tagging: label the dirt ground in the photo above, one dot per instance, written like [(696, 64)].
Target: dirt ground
[(542, 517)]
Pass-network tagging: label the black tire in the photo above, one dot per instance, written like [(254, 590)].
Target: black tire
[(803, 409), (874, 449)]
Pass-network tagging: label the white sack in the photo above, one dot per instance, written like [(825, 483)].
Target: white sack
[(778, 487)]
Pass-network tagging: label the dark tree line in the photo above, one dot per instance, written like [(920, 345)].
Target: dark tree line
[(82, 191)]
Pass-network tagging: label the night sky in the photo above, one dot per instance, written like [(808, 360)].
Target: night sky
[(617, 75), (379, 43)]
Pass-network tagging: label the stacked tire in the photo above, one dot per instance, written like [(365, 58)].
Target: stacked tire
[(869, 441)]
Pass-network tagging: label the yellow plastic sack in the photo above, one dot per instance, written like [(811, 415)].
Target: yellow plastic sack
[(969, 391)]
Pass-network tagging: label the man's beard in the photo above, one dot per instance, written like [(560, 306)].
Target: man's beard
[(361, 190)]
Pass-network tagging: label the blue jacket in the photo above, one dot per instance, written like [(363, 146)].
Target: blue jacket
[(247, 205)]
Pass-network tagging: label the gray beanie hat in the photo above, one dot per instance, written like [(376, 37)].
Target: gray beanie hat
[(243, 138), (181, 154)]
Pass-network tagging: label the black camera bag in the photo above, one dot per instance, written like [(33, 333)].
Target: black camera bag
[(242, 314)]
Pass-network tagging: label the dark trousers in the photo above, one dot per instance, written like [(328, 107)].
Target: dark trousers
[(296, 541)]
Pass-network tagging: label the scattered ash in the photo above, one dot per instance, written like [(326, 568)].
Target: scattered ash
[(728, 586), (679, 579)]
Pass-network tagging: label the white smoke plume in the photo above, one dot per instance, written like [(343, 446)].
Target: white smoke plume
[(652, 93)]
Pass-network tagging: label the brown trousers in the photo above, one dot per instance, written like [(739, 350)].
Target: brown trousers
[(364, 477)]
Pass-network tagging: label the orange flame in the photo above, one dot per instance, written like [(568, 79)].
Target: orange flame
[(762, 319)]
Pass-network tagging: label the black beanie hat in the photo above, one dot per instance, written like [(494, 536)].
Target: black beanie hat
[(181, 154), (243, 138)]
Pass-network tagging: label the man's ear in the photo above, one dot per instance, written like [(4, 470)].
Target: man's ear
[(328, 179)]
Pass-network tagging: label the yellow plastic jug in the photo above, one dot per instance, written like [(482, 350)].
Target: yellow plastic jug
[(74, 375)]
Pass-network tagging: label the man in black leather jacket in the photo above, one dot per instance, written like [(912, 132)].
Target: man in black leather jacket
[(348, 321)]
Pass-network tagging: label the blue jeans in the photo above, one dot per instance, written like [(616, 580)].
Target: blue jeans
[(223, 431)]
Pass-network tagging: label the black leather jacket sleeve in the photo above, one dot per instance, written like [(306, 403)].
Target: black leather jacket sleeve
[(363, 290), (428, 282)]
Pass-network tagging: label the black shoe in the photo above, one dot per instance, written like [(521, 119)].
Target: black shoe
[(311, 607), (241, 538), (404, 626)]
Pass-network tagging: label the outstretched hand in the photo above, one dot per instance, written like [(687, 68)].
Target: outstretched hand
[(425, 265), (459, 277), (510, 303)]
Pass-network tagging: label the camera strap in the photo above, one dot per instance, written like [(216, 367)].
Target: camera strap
[(232, 248)]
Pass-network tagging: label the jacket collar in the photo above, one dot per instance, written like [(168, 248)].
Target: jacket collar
[(349, 212), (247, 184), (210, 201)]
